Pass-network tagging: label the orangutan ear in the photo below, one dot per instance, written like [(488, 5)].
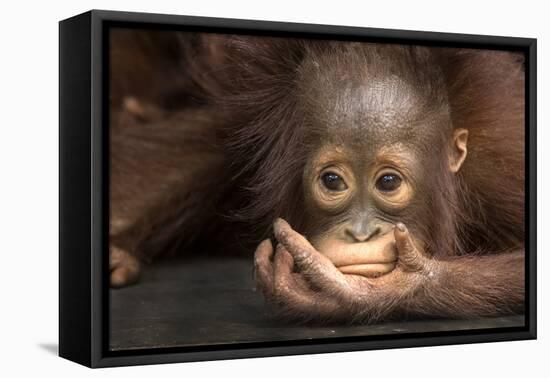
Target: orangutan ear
[(459, 149)]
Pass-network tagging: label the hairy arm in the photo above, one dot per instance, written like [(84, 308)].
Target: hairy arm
[(302, 284), (473, 286)]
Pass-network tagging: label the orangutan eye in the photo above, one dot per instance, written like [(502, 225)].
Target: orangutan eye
[(333, 182), (388, 182)]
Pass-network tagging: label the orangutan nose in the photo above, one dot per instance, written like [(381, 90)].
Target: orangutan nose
[(362, 234)]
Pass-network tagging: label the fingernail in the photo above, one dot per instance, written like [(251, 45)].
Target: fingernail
[(278, 223), (401, 227)]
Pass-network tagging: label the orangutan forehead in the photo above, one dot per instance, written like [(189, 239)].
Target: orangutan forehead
[(370, 110), (375, 102)]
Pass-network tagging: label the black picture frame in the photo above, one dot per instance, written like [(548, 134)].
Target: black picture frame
[(83, 196)]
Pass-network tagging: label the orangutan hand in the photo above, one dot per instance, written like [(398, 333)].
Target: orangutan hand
[(303, 284)]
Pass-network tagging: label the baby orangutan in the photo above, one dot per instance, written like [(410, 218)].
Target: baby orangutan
[(399, 169), (381, 192)]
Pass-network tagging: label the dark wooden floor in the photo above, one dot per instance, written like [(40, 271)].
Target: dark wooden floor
[(194, 302)]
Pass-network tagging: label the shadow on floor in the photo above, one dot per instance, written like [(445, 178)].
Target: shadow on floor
[(50, 348)]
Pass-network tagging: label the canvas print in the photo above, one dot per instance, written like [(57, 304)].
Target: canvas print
[(269, 188)]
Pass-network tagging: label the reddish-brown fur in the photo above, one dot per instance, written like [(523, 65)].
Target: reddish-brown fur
[(227, 159)]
